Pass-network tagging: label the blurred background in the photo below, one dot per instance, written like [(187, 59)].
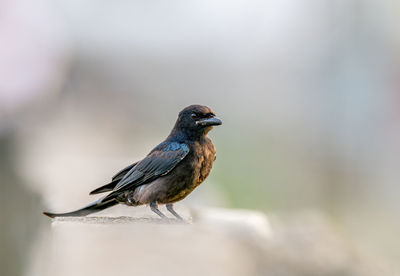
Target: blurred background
[(308, 91)]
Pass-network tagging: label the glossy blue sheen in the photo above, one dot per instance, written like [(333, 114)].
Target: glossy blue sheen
[(172, 146)]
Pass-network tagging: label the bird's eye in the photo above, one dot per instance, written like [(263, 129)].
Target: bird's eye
[(194, 116)]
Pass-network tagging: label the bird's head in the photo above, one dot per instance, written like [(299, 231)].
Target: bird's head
[(196, 120)]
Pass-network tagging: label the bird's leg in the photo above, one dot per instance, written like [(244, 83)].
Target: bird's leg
[(154, 208), (172, 211)]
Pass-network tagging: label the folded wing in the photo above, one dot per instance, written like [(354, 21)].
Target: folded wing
[(114, 181), (160, 161)]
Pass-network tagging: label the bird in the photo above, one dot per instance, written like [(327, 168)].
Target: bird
[(170, 172)]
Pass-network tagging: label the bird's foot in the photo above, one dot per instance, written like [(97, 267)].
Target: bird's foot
[(154, 208), (172, 211)]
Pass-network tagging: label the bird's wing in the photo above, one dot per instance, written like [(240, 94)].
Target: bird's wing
[(114, 181), (121, 173), (160, 161)]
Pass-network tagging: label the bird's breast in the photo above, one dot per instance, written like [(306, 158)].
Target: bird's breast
[(204, 156), (190, 173)]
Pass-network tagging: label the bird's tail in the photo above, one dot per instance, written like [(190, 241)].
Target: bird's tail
[(94, 207)]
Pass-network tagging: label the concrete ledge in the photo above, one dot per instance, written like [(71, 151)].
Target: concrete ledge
[(212, 242), (115, 220)]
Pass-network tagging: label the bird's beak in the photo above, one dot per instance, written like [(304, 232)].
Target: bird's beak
[(214, 121)]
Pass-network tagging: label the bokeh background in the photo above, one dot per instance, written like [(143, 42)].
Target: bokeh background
[(308, 91)]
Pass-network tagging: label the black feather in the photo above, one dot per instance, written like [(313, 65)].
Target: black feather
[(105, 188), (94, 207), (119, 175), (115, 179), (161, 160)]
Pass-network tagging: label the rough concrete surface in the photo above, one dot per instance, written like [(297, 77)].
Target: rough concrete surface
[(210, 242)]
